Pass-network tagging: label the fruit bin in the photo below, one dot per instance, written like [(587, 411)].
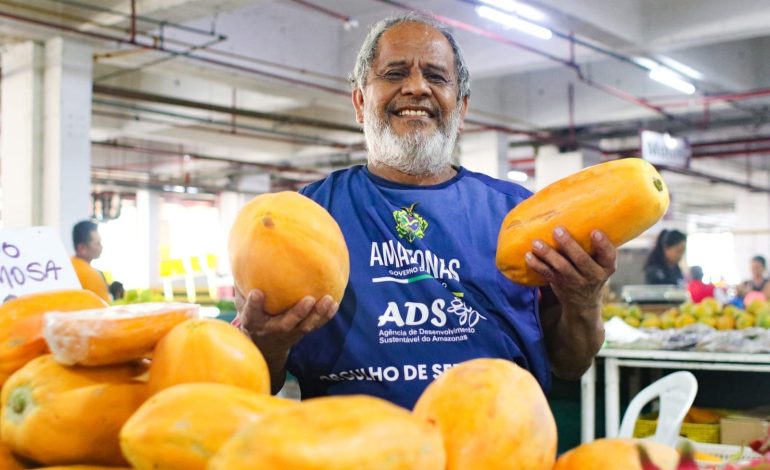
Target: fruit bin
[(703, 433), (725, 453)]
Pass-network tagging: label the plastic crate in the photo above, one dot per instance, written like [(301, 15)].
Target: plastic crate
[(726, 453), (706, 433)]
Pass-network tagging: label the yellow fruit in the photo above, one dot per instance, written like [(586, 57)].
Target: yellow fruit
[(353, 432), (112, 335), (684, 320), (289, 247), (744, 321), (651, 322), (597, 197), (182, 427), (482, 427), (633, 321), (725, 322), (208, 350), (59, 415), (617, 454)]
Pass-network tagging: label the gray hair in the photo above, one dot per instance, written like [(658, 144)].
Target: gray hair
[(368, 51)]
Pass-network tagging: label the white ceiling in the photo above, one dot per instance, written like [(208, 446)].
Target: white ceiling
[(263, 82)]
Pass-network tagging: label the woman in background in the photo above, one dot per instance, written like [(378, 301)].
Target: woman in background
[(662, 265)]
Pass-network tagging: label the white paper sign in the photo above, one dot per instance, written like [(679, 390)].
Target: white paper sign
[(34, 260), (664, 149)]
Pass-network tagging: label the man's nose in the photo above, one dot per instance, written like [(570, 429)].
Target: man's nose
[(416, 84)]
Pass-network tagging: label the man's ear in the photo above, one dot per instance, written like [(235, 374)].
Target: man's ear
[(462, 112), (358, 104)]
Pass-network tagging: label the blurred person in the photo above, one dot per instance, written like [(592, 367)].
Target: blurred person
[(662, 264), (758, 281), (88, 247), (698, 289)]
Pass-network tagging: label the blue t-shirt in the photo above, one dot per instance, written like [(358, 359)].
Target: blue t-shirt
[(424, 292)]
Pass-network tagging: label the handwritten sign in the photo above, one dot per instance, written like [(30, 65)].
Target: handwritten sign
[(34, 260)]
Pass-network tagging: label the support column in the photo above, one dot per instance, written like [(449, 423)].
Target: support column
[(752, 229), (550, 165), (485, 152), (21, 146), (148, 227), (67, 130)]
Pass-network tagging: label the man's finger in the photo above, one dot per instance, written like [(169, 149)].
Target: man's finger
[(294, 316), (605, 252), (559, 266)]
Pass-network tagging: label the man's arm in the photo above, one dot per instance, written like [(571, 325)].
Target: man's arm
[(275, 335), (572, 338), (570, 304)]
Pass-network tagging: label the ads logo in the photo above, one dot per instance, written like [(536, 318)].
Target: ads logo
[(409, 224)]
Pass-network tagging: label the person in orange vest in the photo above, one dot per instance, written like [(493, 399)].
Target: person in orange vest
[(88, 247)]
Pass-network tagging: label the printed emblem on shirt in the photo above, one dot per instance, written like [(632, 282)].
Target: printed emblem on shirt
[(410, 224)]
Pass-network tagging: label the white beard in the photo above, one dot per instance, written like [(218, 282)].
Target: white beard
[(415, 153)]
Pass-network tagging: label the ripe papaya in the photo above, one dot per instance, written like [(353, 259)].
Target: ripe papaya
[(622, 198)]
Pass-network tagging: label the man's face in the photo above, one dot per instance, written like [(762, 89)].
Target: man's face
[(409, 105), (757, 269), (93, 249)]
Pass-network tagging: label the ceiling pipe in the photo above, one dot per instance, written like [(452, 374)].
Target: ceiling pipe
[(204, 157), (296, 138), (326, 11), (236, 130), (714, 178), (159, 48), (135, 17), (275, 117)]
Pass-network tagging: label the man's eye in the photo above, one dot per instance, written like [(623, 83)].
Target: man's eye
[(394, 75), (435, 78)]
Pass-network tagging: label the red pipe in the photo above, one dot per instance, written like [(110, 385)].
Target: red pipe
[(732, 153), (741, 96)]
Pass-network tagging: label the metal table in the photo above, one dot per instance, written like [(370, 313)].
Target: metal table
[(614, 359)]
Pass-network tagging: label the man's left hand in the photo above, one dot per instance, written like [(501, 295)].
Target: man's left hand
[(575, 276)]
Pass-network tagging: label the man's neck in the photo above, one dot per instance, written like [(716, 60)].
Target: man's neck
[(391, 174), (87, 260)]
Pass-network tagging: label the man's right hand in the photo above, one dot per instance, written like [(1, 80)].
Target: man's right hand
[(274, 335)]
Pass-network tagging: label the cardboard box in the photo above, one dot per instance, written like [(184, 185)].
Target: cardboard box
[(742, 429)]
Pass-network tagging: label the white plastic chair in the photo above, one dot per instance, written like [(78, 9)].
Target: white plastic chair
[(677, 392)]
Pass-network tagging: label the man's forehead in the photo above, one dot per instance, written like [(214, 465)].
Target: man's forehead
[(412, 38)]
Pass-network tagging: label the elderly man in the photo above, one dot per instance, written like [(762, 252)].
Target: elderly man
[(424, 293)]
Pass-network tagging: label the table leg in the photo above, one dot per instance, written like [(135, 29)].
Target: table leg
[(588, 404), (611, 397)]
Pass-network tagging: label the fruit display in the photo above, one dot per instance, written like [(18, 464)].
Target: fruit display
[(596, 197), (708, 312), (199, 400), (289, 247), (471, 405)]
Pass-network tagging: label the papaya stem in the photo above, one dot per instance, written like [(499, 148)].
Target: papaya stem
[(658, 184)]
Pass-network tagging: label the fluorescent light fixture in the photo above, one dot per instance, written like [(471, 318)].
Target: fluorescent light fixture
[(672, 79), (685, 70), (649, 64), (514, 22), (518, 176), (521, 9)]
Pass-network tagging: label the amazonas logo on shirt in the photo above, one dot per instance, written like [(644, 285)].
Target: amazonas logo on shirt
[(410, 224)]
